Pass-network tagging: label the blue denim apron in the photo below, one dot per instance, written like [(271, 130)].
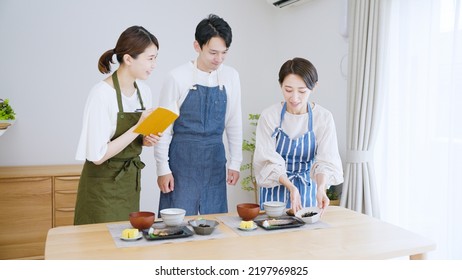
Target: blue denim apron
[(299, 155), (197, 154)]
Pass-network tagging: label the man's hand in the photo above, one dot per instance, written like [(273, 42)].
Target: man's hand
[(233, 176), (166, 183)]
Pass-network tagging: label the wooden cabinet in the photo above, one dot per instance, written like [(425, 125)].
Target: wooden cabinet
[(25, 216), (33, 199), (65, 194)]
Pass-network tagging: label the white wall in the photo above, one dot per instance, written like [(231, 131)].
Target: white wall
[(50, 50)]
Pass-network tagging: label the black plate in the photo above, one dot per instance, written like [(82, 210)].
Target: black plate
[(289, 222), (178, 233)]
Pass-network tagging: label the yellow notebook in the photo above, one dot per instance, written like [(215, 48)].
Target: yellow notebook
[(157, 121)]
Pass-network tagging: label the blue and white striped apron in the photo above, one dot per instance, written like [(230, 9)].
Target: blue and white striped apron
[(299, 156)]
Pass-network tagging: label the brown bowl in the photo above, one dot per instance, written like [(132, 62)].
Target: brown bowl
[(248, 211), (142, 220)]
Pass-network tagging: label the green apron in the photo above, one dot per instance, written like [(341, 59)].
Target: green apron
[(110, 191)]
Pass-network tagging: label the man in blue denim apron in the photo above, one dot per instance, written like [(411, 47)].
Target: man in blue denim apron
[(191, 161), (197, 153)]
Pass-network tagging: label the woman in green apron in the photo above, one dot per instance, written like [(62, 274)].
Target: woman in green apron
[(109, 187)]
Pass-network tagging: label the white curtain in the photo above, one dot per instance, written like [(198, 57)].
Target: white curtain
[(419, 147), (359, 190)]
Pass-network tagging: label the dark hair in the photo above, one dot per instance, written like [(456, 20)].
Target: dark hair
[(300, 67), (213, 26), (133, 41)]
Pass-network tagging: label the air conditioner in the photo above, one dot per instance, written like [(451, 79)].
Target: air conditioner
[(285, 3)]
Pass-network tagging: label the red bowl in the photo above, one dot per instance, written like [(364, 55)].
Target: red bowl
[(142, 220), (248, 211)]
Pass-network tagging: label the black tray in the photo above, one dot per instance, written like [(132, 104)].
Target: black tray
[(292, 222), (181, 233)]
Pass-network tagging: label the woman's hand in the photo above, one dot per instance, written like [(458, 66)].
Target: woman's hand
[(321, 196), (295, 199), (322, 199), (151, 139)]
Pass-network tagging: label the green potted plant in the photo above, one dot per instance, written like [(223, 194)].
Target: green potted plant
[(7, 115), (248, 182), (334, 195)]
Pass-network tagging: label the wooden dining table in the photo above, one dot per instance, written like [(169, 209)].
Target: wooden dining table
[(347, 235)]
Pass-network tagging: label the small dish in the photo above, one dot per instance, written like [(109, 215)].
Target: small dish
[(203, 226), (309, 215), (247, 225), (140, 234), (254, 227)]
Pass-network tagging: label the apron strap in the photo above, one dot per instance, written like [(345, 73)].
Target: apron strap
[(283, 111), (278, 129), (131, 163), (139, 96), (310, 118), (292, 175), (115, 81)]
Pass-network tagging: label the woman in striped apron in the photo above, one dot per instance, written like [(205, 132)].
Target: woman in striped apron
[(296, 156)]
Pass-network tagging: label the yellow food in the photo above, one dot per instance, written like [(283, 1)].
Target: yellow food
[(130, 233), (246, 224)]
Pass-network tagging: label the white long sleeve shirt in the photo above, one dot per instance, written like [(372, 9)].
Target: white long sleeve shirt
[(174, 91), (269, 165), (100, 118)]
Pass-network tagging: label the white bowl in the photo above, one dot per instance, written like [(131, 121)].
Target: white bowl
[(312, 219), (173, 216), (274, 209)]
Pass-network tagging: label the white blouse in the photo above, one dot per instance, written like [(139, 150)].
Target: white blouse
[(175, 90), (100, 118), (269, 165)]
